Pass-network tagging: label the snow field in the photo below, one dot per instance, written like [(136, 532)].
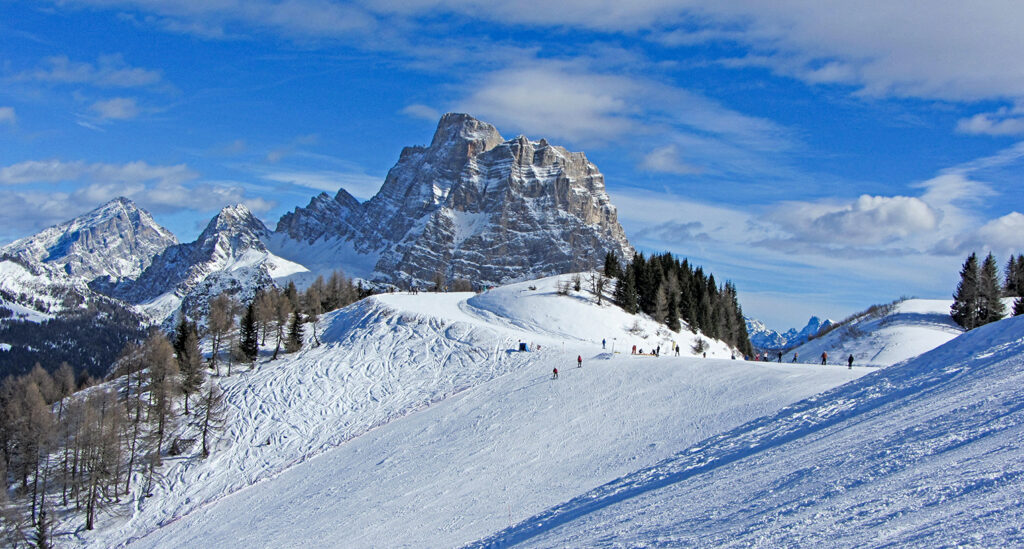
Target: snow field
[(924, 453), (416, 424)]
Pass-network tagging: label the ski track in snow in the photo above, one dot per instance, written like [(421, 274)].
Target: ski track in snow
[(926, 453), (483, 438)]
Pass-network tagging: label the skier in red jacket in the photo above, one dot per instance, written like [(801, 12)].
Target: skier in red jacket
[(579, 361)]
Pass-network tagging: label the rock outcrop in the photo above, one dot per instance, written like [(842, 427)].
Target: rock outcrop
[(474, 206)]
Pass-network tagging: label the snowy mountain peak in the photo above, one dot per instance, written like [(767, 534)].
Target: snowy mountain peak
[(115, 241), (463, 135), (763, 337), (472, 206), (234, 219), (237, 225)]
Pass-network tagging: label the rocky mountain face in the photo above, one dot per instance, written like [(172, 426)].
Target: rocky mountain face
[(114, 242), (764, 338), (228, 256), (473, 205)]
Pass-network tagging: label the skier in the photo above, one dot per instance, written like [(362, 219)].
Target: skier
[(780, 356), (579, 361), (554, 374), (602, 343), (849, 363), (795, 356), (677, 349), (824, 358), (634, 350), (657, 352)]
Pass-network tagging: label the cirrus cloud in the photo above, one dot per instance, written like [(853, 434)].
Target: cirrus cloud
[(109, 71)]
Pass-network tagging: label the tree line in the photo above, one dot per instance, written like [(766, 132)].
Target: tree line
[(70, 448), (978, 297), (672, 291)]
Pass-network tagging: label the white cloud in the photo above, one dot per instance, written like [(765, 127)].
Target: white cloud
[(555, 100), (868, 220), (8, 116), (575, 102), (1004, 236), (667, 160), (1004, 121), (421, 111), (118, 108), (359, 185), (54, 171), (109, 71), (208, 19), (160, 189), (950, 50)]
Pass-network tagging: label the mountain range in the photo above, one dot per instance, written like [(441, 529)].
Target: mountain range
[(471, 205), (763, 337)]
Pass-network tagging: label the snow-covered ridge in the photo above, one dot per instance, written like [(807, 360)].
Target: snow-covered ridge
[(911, 327)]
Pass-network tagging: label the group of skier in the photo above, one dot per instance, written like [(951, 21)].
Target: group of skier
[(675, 347)]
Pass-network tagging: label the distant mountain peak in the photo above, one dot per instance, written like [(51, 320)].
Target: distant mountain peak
[(234, 220), (115, 241), (763, 337)]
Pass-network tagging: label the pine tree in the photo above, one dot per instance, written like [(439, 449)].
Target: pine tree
[(292, 293), (625, 293), (611, 266), (1014, 285), (992, 308), (1018, 306), (966, 299), (295, 333), (186, 350), (249, 342), (672, 318)]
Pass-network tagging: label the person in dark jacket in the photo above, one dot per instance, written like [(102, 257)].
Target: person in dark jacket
[(824, 358), (554, 374), (849, 362), (579, 361)]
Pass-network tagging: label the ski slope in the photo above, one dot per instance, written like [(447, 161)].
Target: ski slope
[(417, 423), (914, 326), (923, 454)]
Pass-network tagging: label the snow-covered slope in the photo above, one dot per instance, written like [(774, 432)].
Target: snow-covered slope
[(417, 423), (887, 336), (923, 454)]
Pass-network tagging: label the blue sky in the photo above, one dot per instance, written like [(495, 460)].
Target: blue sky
[(823, 155)]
